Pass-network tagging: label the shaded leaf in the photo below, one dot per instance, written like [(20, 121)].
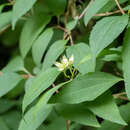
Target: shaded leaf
[(78, 114), (59, 7), (32, 28), (38, 85), (5, 19), (53, 53), (21, 7), (16, 64), (8, 81), (3, 125), (126, 61), (111, 28), (93, 8), (40, 45), (82, 57), (86, 88), (34, 117), (106, 108)]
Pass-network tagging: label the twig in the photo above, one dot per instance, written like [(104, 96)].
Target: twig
[(84, 11), (11, 2), (108, 13), (4, 29), (121, 10), (53, 85), (119, 94), (122, 128), (123, 98), (65, 36), (24, 76), (66, 33), (62, 28), (71, 40), (67, 124)]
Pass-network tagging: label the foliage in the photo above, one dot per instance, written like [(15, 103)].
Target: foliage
[(64, 64)]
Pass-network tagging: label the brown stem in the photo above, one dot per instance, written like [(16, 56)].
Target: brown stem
[(123, 98), (67, 33), (84, 11), (24, 76), (53, 85), (67, 124), (119, 94), (62, 28), (71, 40), (108, 13), (121, 10), (11, 1), (4, 29)]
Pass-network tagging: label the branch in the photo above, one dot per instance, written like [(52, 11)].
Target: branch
[(120, 95), (4, 29), (71, 40), (108, 13), (24, 76), (67, 124), (121, 10), (84, 11), (53, 85)]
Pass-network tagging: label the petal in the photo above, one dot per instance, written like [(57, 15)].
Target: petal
[(71, 59), (64, 60), (57, 64)]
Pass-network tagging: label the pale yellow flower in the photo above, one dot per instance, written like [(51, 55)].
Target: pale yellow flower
[(65, 62), (71, 60)]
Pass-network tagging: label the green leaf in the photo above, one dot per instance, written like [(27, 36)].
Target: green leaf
[(71, 25), (93, 8), (34, 118), (111, 5), (86, 88), (21, 7), (126, 61), (57, 124), (38, 85), (40, 45), (4, 5), (105, 31), (45, 97), (78, 114), (32, 28), (12, 119), (5, 19), (5, 105), (56, 7), (82, 57), (8, 81), (53, 53), (15, 64), (125, 113), (3, 125), (106, 108)]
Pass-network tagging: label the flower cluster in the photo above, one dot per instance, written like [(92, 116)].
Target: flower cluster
[(65, 62)]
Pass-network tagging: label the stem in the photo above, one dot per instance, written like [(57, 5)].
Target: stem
[(71, 40), (53, 85), (121, 10), (72, 74), (66, 74), (67, 124), (108, 13), (84, 11), (5, 28)]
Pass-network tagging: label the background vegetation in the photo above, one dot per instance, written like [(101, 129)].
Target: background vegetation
[(64, 65)]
